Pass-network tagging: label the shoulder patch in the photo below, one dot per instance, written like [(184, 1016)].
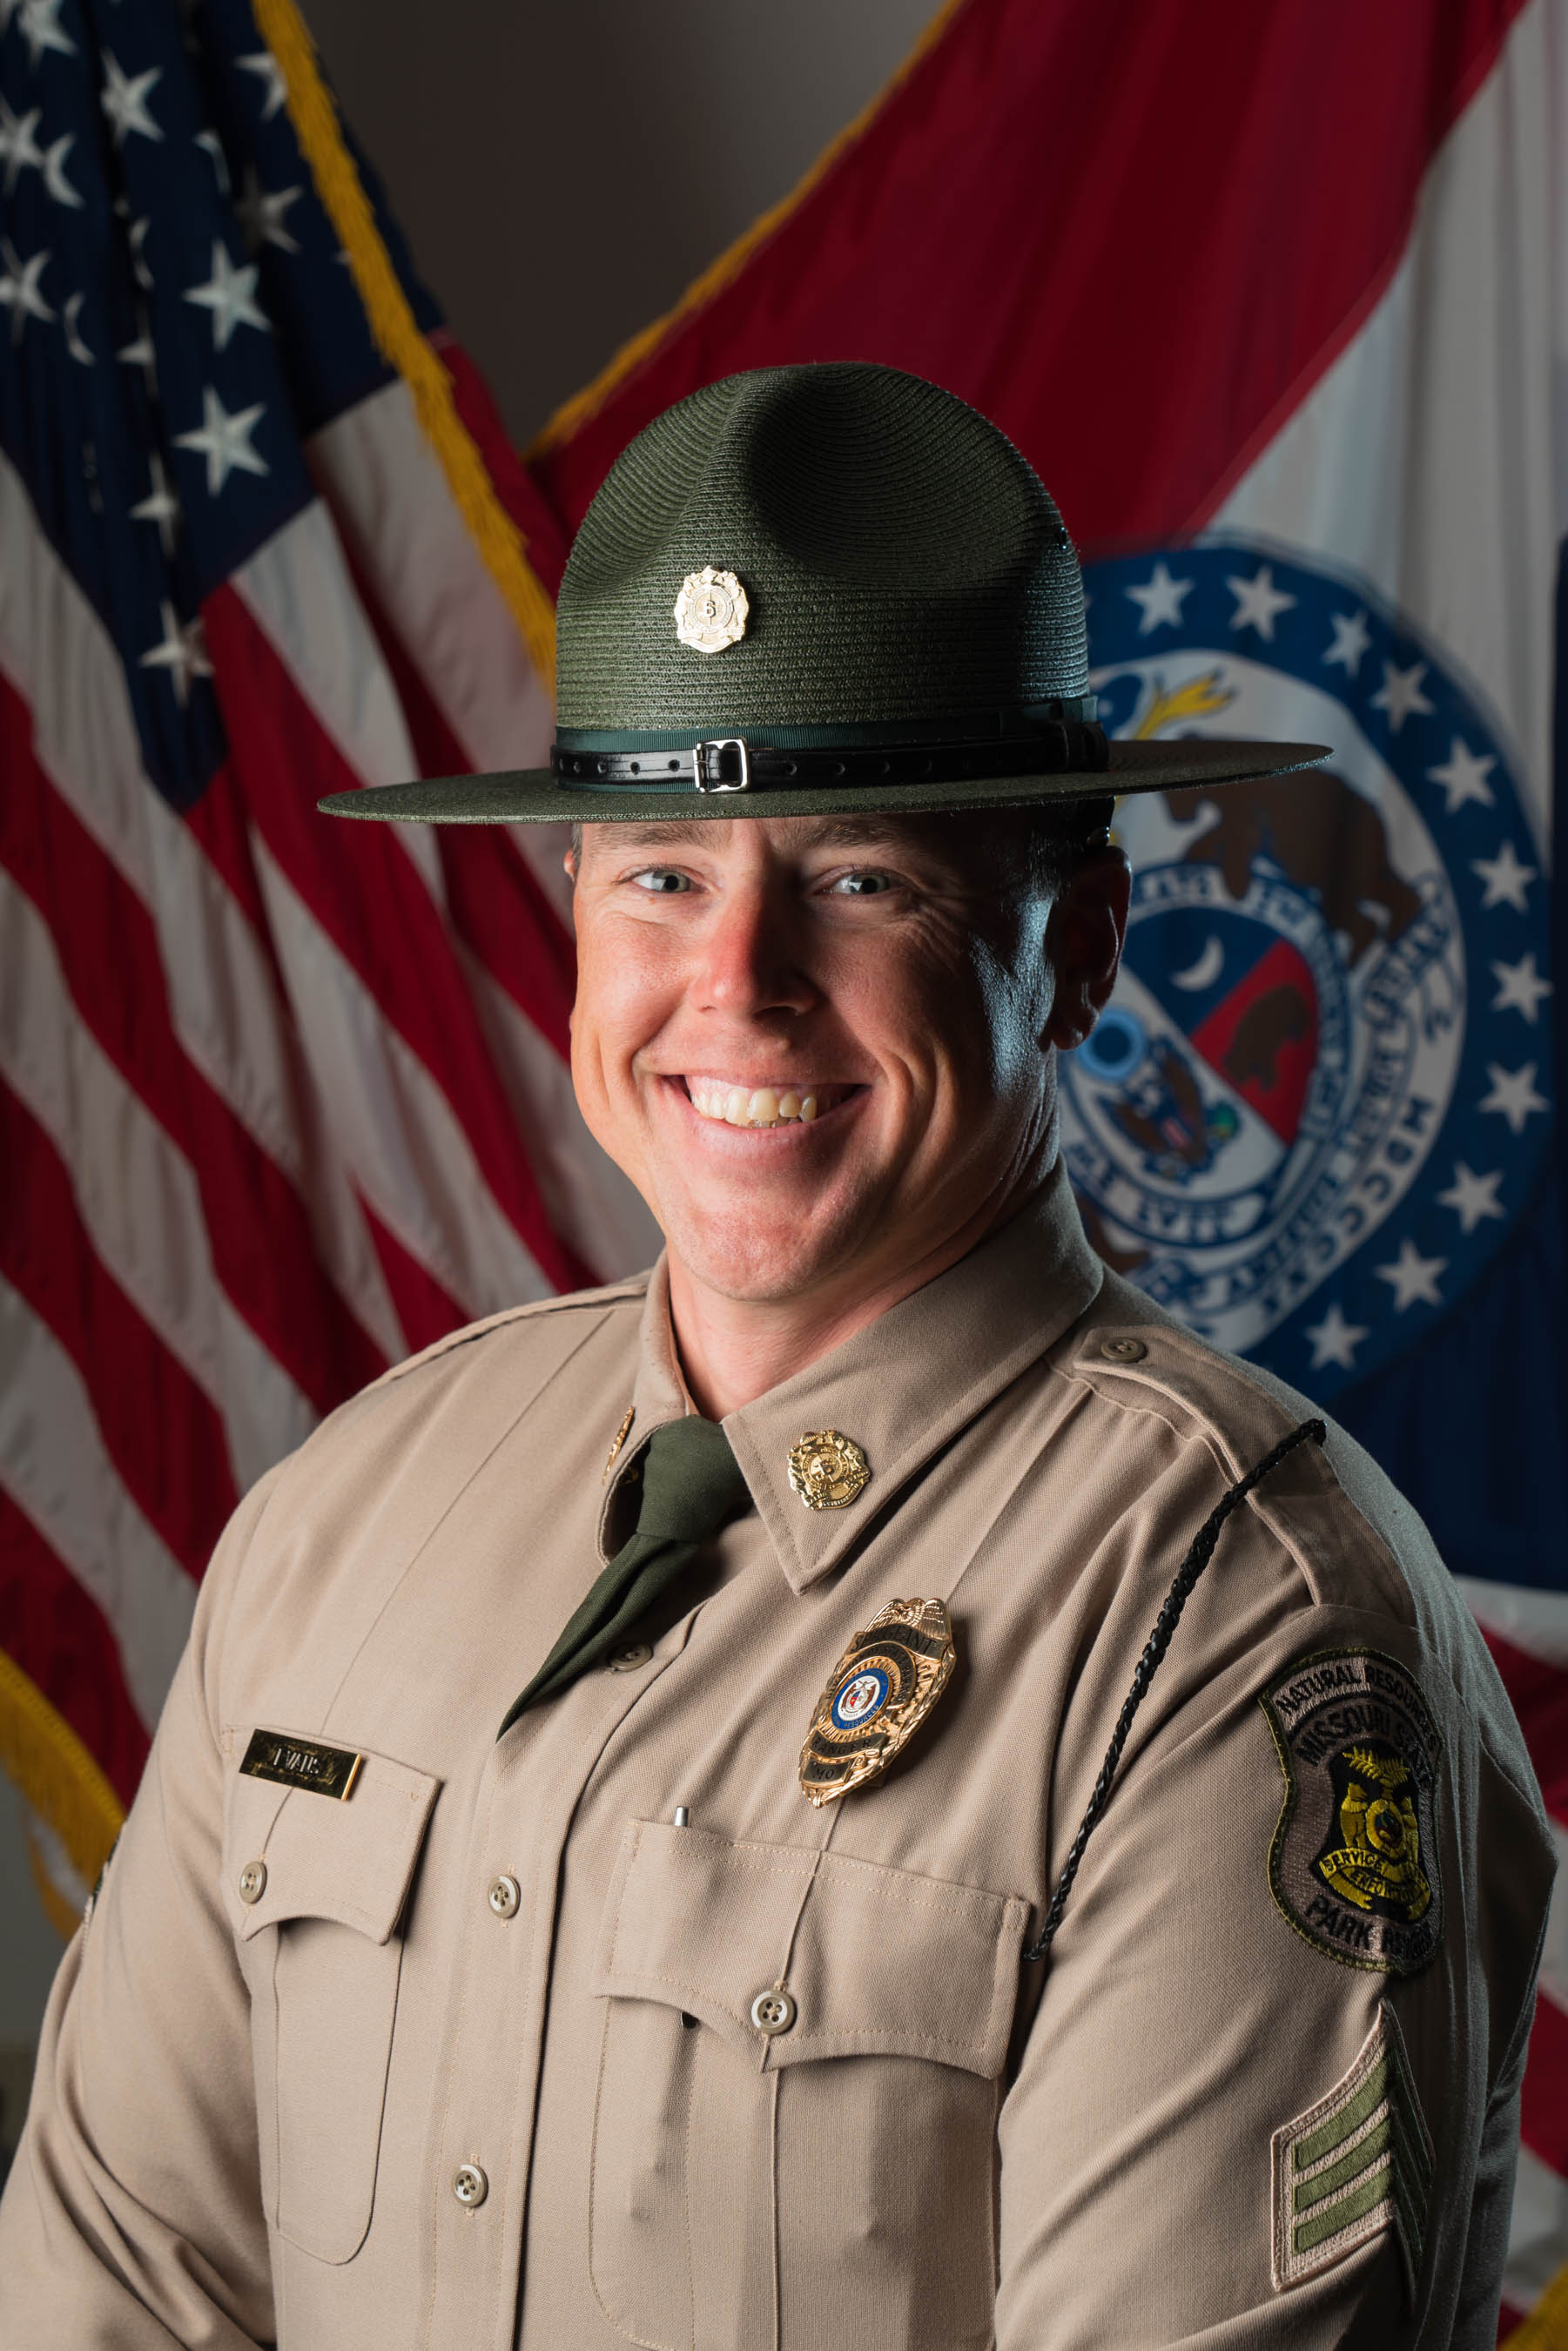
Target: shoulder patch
[(1354, 1861), (1357, 2164)]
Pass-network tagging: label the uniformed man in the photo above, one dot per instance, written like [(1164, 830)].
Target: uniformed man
[(983, 1819)]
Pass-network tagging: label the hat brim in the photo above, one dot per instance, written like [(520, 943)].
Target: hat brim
[(536, 796)]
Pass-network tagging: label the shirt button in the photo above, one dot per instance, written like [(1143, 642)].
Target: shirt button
[(1123, 1351), (470, 2186), (629, 1657), (773, 2011), (253, 1881), (505, 1895)]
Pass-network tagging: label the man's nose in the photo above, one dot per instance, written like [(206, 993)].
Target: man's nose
[(750, 963)]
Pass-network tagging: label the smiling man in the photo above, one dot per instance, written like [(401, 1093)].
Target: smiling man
[(867, 1787)]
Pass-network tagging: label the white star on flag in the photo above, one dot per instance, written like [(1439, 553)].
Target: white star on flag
[(227, 294), (19, 287), (141, 354), (1400, 693), (1413, 1278), (182, 652), (56, 183), (1335, 1341), (1513, 1094), (1350, 638), (263, 64), (1472, 1197), (261, 212), (124, 98), (19, 151), (73, 343), (40, 23), (1159, 599), (1463, 776), (159, 506), (1519, 988), (224, 440), (212, 145), (1505, 878), (1258, 603)]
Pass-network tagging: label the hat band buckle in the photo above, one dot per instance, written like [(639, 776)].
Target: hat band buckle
[(710, 779)]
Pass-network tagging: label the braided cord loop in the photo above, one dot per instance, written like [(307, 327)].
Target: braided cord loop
[(1155, 1648)]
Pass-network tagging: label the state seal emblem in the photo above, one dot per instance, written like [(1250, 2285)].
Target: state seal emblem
[(1354, 1863), (1319, 1094), (879, 1694)]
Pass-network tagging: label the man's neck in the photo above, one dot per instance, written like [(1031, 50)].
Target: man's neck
[(733, 1350)]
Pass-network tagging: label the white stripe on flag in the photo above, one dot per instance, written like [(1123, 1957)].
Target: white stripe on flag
[(593, 1207), (53, 1463), (392, 501), (1423, 458), (408, 1154), (297, 590), (1535, 1621), (224, 1001), (1537, 2232), (138, 1196)]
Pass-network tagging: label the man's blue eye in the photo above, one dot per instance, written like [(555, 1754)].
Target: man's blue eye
[(661, 879), (863, 885)]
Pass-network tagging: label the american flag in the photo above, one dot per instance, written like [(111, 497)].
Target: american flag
[(279, 1100)]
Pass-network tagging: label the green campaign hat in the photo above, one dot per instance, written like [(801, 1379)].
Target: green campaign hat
[(821, 590)]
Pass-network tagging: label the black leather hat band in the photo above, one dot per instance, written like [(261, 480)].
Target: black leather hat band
[(730, 763)]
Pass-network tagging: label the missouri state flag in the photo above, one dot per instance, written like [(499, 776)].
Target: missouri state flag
[(1273, 299)]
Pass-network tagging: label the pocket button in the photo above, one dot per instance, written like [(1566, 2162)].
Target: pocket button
[(253, 1881), (470, 2186), (773, 2011)]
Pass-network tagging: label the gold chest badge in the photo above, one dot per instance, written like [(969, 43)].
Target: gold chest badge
[(879, 1692)]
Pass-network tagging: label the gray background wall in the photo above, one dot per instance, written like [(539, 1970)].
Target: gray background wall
[(563, 172)]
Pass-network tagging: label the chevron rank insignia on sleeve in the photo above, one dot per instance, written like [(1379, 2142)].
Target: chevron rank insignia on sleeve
[(1356, 2164)]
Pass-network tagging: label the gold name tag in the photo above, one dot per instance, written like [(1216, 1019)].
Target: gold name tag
[(302, 1763)]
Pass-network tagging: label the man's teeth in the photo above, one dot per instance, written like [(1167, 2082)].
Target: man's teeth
[(752, 1105)]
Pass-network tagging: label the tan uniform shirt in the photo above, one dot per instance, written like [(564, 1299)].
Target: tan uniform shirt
[(474, 2063)]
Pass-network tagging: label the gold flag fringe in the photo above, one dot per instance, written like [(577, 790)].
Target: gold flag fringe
[(718, 273), (58, 1779), (397, 333), (1546, 2328)]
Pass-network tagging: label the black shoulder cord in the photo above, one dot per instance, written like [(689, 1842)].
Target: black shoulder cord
[(1155, 1648)]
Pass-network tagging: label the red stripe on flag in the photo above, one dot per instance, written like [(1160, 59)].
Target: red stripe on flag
[(162, 1433), (497, 906), (63, 1646), (425, 1309), (518, 492), (257, 1227), (1539, 1694), (366, 896), (1543, 2106), (1135, 243)]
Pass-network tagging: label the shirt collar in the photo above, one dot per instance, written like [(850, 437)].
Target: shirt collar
[(902, 1388)]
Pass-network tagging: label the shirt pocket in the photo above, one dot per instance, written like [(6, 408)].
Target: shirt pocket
[(321, 1953), (839, 2170)]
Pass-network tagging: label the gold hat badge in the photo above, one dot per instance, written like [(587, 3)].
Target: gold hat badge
[(881, 1691), (711, 610)]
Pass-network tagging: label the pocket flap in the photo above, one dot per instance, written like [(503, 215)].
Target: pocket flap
[(877, 1960), (350, 1859)]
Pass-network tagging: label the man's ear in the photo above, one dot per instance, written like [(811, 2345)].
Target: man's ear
[(1083, 939)]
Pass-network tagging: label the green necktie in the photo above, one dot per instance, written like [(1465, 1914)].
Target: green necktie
[(692, 1486)]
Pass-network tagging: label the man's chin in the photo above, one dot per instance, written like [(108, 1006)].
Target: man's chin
[(760, 1260)]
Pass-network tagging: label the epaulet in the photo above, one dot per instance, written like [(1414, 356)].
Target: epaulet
[(615, 1293), (1135, 1355)]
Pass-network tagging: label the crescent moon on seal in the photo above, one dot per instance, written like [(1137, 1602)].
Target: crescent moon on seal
[(1205, 971)]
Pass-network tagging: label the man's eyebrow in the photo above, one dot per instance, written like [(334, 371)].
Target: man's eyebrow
[(830, 833)]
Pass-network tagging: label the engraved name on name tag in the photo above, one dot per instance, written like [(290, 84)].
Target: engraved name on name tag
[(302, 1763)]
